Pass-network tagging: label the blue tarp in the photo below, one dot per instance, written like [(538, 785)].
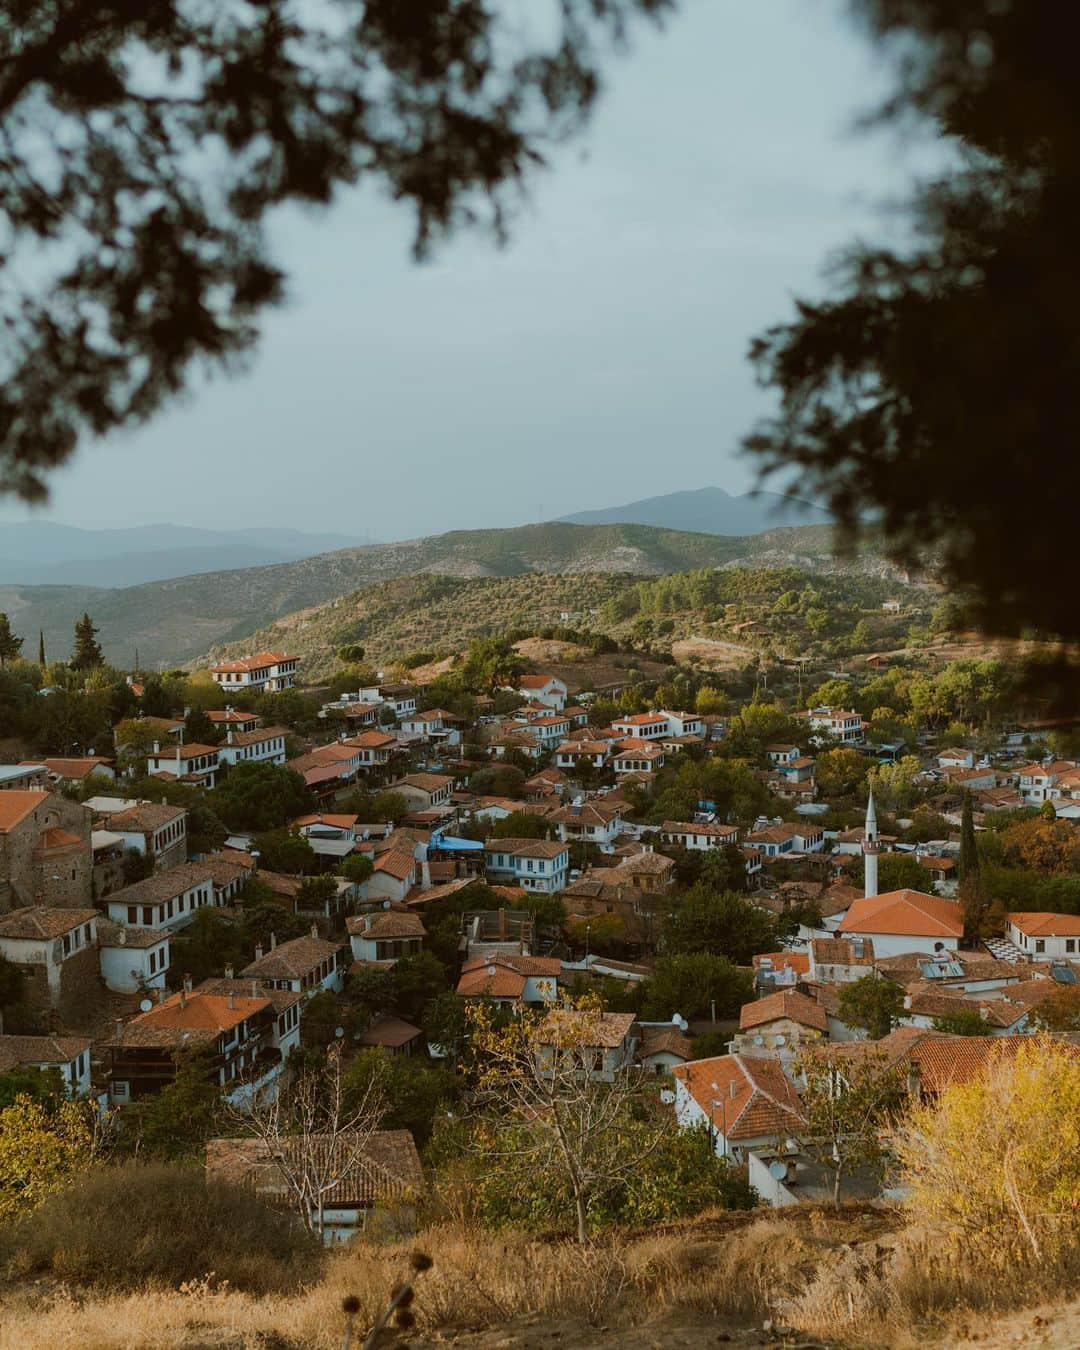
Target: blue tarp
[(461, 845)]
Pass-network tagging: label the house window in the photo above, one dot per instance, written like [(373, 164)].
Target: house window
[(120, 1089), (1040, 945), (1070, 944)]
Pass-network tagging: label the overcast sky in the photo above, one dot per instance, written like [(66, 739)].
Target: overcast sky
[(599, 358)]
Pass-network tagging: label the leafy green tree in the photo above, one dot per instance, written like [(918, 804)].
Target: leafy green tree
[(443, 1023), (875, 1005), (207, 945), (260, 797), (722, 924), (831, 694), (280, 851), (711, 702), (415, 1090), (418, 980), (374, 807), (87, 653), (177, 1121), (520, 825), (357, 868), (39, 1085), (691, 982), (315, 893), (963, 1022), (902, 871), (10, 645), (840, 771), (199, 730)]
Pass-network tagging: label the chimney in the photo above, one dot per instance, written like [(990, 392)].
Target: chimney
[(228, 972), (232, 1002), (157, 747), (254, 989), (907, 1002), (984, 1012), (119, 1028), (273, 941), (161, 995), (121, 937), (183, 998), (187, 983), (914, 1079), (258, 951), (502, 925), (314, 930), (229, 736)]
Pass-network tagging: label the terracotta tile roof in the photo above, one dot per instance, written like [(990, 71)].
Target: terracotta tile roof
[(109, 935), (256, 662), (799, 962), (395, 862), (841, 952), (390, 1032), (608, 1030), (710, 831), (337, 822), (226, 864), (19, 1050), (549, 967), (372, 740), (386, 1172), (292, 960), (942, 1059), (526, 848), (762, 1102), (163, 885), (17, 803), (426, 782), (280, 882), (201, 1016), (146, 817), (190, 751), (1037, 923), (389, 924), (75, 768), (280, 999), (588, 813), (784, 1003), (659, 1042), (905, 912), (536, 681), (55, 837), (646, 864), (496, 981), (256, 737), (43, 923)]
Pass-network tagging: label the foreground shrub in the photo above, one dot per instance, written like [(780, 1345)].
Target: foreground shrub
[(128, 1226), (994, 1166)]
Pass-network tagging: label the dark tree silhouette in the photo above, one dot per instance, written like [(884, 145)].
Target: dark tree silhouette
[(938, 388), (87, 650), (141, 145), (10, 645), (41, 647)]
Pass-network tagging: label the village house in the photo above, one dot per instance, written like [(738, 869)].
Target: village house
[(328, 768), (834, 724), (56, 949), (436, 726), (400, 699), (546, 689), (955, 759), (570, 754), (229, 871), (375, 747), (232, 719), (384, 938), (905, 921), (1037, 783), (641, 726), (165, 900), (265, 672), (132, 958), (839, 960), (424, 791), (46, 855), (396, 872), (589, 822), (1045, 937), (193, 764), (262, 746), (510, 977), (662, 1048), (645, 869), (232, 1032), (602, 1045), (636, 756), (532, 864), (155, 830), (286, 1006), (743, 1101), (778, 839), (60, 772), (783, 1025), (699, 837), (394, 1036), (306, 965), (68, 1056), (378, 1170), (23, 777)]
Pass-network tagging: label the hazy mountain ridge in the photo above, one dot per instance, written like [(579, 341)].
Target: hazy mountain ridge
[(709, 510), (178, 620)]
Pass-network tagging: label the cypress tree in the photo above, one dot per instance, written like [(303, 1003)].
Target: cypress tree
[(41, 647), (87, 652), (972, 905)]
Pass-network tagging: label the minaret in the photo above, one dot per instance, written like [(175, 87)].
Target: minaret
[(870, 849)]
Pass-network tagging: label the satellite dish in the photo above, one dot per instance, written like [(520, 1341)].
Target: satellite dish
[(145, 1005), (759, 1040), (781, 1039), (777, 1169), (339, 1032), (491, 970), (386, 904)]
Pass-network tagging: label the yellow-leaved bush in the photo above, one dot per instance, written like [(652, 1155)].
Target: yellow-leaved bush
[(41, 1148), (994, 1164)]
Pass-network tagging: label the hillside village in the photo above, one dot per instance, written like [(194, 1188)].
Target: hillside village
[(692, 897)]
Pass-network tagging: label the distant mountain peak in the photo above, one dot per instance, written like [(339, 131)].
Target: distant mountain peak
[(708, 510)]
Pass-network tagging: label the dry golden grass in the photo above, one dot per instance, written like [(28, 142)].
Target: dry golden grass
[(849, 1279)]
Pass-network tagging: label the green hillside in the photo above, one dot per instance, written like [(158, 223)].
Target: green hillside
[(176, 621)]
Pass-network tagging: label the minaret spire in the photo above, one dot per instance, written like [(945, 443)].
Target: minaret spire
[(870, 849)]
